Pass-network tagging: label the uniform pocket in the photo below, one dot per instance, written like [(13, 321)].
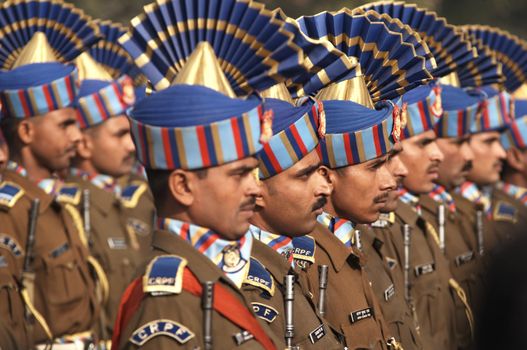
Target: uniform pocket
[(363, 334), (61, 277), (11, 304)]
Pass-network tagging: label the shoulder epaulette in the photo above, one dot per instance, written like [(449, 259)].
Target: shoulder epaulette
[(164, 275), (504, 211), (130, 194), (384, 220), (10, 193), (69, 193), (258, 276), (304, 248)]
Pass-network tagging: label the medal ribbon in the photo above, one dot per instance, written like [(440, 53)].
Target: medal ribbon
[(105, 182), (231, 257)]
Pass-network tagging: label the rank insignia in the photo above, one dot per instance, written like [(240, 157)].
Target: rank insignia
[(265, 312), (10, 193), (504, 212), (389, 292), (391, 262), (69, 193), (130, 194), (140, 227), (258, 276), (11, 244), (155, 328), (164, 275)]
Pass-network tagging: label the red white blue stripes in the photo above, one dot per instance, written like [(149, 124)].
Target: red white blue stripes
[(202, 146), (344, 149), (423, 115), (110, 101), (516, 134), (495, 113), (41, 99), (290, 145)]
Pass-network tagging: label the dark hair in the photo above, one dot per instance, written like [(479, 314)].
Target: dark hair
[(9, 128)]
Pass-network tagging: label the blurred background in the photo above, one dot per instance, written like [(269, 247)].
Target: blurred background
[(507, 14)]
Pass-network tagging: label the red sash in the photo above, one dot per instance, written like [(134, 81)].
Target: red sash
[(224, 303)]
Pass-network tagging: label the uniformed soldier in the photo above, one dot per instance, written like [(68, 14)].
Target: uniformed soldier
[(357, 151), (105, 153), (40, 246), (197, 141), (294, 190), (514, 174)]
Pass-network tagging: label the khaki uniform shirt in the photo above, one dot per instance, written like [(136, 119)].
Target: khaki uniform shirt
[(184, 309), (111, 243), (461, 250), (429, 275), (388, 286), (138, 205), (507, 213), (351, 306), (311, 332), (64, 290)]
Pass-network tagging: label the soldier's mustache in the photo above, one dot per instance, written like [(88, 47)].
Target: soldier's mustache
[(249, 204), (321, 202), (467, 166), (381, 198)]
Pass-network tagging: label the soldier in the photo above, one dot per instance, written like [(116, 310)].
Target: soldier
[(293, 192), (44, 255), (199, 156), (357, 150), (514, 173), (105, 153), (496, 112)]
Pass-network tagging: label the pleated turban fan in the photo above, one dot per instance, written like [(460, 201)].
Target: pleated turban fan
[(38, 40)]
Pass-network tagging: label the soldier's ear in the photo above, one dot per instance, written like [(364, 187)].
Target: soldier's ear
[(515, 159), (26, 131), (180, 185), (85, 146)]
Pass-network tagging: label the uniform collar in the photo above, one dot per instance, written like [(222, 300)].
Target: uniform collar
[(102, 181), (232, 257), (300, 248), (441, 196), (343, 229), (337, 252), (517, 192), (49, 185)]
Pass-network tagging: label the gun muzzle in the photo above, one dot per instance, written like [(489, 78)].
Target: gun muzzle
[(322, 286), (441, 221), (289, 297), (407, 243), (207, 301), (479, 229)]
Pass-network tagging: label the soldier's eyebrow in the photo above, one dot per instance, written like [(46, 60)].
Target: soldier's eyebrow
[(308, 170), (242, 169)]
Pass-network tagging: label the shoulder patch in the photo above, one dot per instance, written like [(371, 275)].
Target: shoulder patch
[(504, 211), (69, 193), (11, 244), (304, 248), (265, 312), (10, 193), (164, 327), (164, 275), (258, 276), (130, 194)]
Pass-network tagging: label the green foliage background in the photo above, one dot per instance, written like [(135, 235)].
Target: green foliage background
[(507, 14)]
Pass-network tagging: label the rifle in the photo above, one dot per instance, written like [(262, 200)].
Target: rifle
[(322, 286), (86, 215), (441, 221), (207, 300), (479, 228), (28, 276), (289, 297)]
